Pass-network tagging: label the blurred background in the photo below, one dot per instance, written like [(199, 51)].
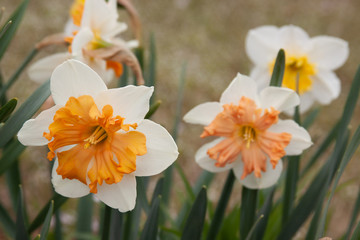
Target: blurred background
[(208, 36)]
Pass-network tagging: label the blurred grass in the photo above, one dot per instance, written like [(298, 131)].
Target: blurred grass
[(209, 36)]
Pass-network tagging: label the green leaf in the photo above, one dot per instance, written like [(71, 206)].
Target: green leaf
[(278, 71), (141, 194), (10, 154), (265, 211), (150, 229), (310, 119), (15, 18), (7, 109), (356, 234), (217, 219), (26, 111), (58, 226), (158, 190), (248, 209), (21, 233), (195, 221), (350, 150), (17, 73), (116, 228), (123, 79), (106, 223), (185, 181), (252, 230), (5, 28), (7, 223), (354, 216), (46, 225), (84, 215), (153, 109), (13, 180), (39, 219), (151, 76)]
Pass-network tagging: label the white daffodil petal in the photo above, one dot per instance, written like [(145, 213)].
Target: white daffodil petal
[(261, 45), (300, 138), (81, 40), (161, 149), (99, 66), (294, 40), (267, 179), (306, 101), (240, 86), (31, 133), (204, 113), (326, 86), (328, 53), (41, 70), (74, 79), (130, 102), (202, 158), (121, 195), (279, 98), (71, 188)]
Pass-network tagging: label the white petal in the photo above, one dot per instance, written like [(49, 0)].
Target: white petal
[(81, 40), (279, 98), (328, 52), (204, 113), (294, 40), (267, 179), (31, 133), (300, 138), (121, 195), (262, 45), (70, 28), (66, 187), (202, 158), (306, 102), (130, 102), (240, 86), (99, 66), (326, 87), (161, 149), (74, 79), (41, 70)]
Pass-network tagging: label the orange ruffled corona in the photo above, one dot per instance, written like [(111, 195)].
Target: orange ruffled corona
[(245, 129), (103, 148)]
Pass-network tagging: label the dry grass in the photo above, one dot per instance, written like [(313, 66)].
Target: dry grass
[(209, 36)]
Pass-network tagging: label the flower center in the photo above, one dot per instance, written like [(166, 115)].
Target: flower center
[(97, 136), (93, 146), (248, 134), (244, 128), (298, 73)]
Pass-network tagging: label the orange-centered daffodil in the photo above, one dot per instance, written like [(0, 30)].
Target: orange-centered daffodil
[(245, 129), (251, 137), (96, 136)]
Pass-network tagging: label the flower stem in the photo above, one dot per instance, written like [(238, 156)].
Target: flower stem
[(248, 210), (106, 223)]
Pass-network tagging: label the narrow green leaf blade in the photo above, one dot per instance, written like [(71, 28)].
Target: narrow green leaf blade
[(248, 209), (158, 190), (7, 109), (21, 233), (141, 194), (7, 223), (13, 180), (151, 76), (84, 215), (46, 225), (153, 109), (279, 69), (150, 229), (15, 18), (356, 234), (265, 211), (10, 154), (26, 111), (221, 207), (195, 221), (353, 217)]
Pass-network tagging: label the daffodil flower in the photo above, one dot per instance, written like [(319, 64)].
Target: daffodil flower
[(252, 139), (98, 137), (309, 66), (94, 25)]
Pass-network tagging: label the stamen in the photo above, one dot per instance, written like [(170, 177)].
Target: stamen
[(97, 136), (248, 134)]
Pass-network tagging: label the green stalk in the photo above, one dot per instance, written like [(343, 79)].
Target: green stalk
[(221, 207), (106, 223), (248, 211), (15, 76)]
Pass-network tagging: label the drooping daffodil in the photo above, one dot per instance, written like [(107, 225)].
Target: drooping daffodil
[(94, 25), (251, 137), (98, 137), (309, 64)]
